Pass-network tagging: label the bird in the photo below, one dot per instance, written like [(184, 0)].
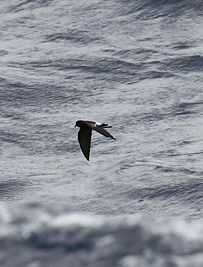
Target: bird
[(85, 133)]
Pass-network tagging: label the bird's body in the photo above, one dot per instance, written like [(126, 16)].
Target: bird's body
[(85, 133)]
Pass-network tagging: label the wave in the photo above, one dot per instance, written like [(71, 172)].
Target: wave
[(186, 63), (37, 234), (149, 9)]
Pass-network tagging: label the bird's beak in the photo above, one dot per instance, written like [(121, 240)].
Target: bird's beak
[(75, 125)]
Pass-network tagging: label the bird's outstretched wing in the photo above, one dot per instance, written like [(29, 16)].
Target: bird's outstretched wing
[(84, 139), (99, 128)]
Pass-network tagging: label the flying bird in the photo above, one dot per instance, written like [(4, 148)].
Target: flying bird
[(85, 133)]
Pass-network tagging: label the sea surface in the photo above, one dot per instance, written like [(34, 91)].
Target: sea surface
[(136, 65)]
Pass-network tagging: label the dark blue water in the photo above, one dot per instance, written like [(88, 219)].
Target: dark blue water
[(136, 65)]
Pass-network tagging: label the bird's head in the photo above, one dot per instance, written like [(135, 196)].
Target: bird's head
[(78, 123)]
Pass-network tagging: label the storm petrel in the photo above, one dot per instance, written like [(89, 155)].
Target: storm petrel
[(85, 133)]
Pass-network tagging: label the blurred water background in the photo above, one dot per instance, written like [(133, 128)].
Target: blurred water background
[(136, 65)]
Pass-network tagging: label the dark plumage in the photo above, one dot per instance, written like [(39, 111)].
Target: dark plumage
[(85, 133)]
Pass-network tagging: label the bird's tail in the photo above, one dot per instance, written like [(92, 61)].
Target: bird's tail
[(105, 125)]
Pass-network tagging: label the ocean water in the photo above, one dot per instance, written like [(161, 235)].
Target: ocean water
[(136, 65)]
